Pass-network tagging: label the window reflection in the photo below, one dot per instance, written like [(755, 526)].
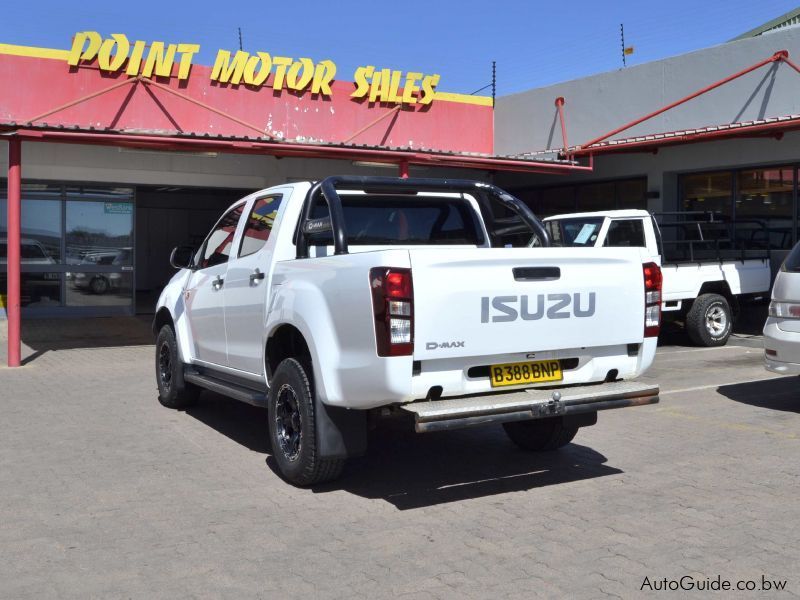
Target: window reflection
[(99, 232), (100, 289), (41, 224), (708, 192), (764, 207), (36, 289)]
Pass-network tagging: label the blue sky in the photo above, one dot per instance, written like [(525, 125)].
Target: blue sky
[(534, 43)]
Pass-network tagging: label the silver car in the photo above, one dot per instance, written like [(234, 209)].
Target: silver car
[(782, 329)]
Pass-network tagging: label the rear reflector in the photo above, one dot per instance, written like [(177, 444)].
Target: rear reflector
[(769, 352), (652, 299), (393, 307)]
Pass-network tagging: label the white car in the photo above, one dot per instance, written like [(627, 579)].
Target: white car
[(782, 329), (364, 296), (706, 270)]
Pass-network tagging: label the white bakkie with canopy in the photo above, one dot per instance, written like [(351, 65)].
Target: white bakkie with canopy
[(355, 298)]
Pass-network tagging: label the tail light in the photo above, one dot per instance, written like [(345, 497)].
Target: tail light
[(652, 299), (393, 306)]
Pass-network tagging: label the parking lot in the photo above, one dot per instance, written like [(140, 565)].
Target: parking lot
[(104, 493)]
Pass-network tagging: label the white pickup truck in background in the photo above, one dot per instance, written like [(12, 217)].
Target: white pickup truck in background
[(361, 296), (706, 270)]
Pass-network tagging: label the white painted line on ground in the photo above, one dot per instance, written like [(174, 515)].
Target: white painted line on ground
[(704, 350), (714, 385)]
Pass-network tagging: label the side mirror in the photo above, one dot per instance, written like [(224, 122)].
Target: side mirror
[(181, 257)]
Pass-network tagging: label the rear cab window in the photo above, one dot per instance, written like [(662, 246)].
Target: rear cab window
[(576, 231), (401, 220), (625, 233)]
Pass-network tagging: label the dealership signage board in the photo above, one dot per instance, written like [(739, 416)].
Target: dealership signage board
[(288, 98)]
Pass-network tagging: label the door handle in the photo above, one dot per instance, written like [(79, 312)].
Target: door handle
[(256, 276), (218, 282)]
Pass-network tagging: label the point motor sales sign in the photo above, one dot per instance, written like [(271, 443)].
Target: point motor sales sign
[(117, 53)]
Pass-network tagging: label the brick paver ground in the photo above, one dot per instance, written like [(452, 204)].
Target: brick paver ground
[(104, 493)]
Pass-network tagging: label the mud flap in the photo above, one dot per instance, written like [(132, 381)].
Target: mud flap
[(341, 432)]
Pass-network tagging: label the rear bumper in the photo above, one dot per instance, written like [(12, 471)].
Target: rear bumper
[(469, 411), (785, 345)]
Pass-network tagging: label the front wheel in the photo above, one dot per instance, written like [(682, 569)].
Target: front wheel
[(540, 434), (173, 390), (292, 428), (709, 320)]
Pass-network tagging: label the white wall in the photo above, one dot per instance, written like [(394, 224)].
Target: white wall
[(528, 121)]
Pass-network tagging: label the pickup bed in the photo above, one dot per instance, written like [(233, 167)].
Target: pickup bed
[(706, 271), (337, 303)]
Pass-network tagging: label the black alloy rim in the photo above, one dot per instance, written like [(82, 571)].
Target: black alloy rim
[(288, 422), (165, 366)]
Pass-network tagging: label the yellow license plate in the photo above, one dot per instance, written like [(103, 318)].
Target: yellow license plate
[(525, 372)]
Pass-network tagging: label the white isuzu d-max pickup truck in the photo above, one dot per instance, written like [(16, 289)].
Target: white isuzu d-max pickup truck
[(336, 303)]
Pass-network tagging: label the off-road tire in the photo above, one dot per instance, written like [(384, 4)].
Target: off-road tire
[(300, 463), (540, 434), (701, 318), (173, 390)]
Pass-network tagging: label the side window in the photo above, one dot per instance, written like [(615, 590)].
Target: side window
[(625, 233), (259, 225), (219, 242)]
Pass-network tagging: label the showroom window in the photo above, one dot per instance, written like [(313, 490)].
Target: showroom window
[(707, 192), (585, 197), (758, 203), (76, 248)]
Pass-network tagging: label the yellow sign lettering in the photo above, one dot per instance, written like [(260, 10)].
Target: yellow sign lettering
[(160, 60), (250, 75), (229, 71), (362, 78), (429, 84), (324, 73), (187, 52), (411, 87), (116, 53), (135, 59), (78, 53), (306, 65), (104, 59), (280, 62)]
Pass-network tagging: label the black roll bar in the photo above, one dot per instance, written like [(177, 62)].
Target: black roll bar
[(327, 188)]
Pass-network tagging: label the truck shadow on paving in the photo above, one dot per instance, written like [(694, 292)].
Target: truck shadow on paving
[(412, 470), (782, 393)]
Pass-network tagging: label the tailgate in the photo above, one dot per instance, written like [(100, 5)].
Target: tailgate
[(488, 301)]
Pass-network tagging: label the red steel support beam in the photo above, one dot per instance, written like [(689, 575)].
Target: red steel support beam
[(82, 99), (216, 111), (781, 55), (560, 107), (13, 239), (403, 169), (388, 113)]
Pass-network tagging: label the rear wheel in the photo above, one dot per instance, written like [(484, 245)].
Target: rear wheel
[(292, 428), (540, 434), (173, 391), (709, 320)]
